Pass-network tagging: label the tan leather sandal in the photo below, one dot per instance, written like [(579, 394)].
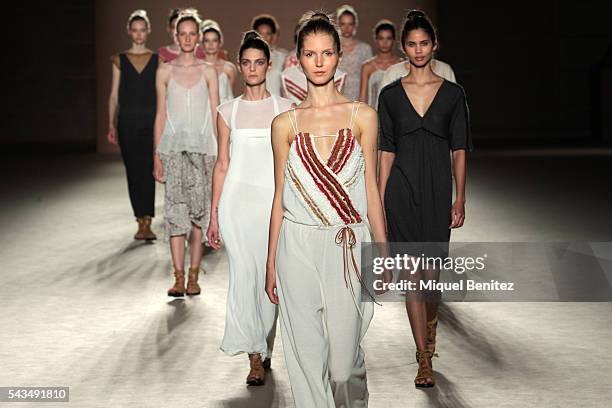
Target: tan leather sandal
[(430, 339), (140, 233), (178, 290), (147, 233), (425, 376), (257, 374), (193, 288)]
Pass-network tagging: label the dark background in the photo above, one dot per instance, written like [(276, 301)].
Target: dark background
[(533, 75)]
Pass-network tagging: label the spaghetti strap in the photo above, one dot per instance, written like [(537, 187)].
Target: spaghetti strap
[(354, 110), (293, 121)]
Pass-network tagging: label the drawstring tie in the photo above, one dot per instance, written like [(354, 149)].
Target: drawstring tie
[(346, 238)]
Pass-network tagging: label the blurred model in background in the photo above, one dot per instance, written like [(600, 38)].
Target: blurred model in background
[(133, 102)]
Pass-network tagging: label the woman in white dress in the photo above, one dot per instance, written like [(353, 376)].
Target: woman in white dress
[(372, 70), (185, 149), (325, 199), (354, 52), (243, 188), (212, 41)]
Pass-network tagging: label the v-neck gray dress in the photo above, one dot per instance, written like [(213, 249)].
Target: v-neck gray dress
[(418, 195)]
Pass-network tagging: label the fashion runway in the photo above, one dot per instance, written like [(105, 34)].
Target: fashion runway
[(85, 306)]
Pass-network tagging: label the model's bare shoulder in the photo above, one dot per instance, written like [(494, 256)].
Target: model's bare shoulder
[(281, 127)]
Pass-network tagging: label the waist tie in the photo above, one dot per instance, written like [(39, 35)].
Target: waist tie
[(346, 238)]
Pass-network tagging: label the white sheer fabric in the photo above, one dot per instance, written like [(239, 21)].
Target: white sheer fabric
[(225, 88), (188, 125), (253, 114)]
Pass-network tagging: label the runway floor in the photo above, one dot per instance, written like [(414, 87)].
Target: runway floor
[(84, 306)]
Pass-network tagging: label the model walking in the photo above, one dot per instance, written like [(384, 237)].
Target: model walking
[(423, 118), (325, 197), (354, 52), (212, 41), (133, 98), (373, 70), (186, 146), (269, 29), (243, 188)]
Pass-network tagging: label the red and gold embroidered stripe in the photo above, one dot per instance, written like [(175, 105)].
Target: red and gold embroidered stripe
[(347, 151), (337, 146), (311, 204), (326, 182)]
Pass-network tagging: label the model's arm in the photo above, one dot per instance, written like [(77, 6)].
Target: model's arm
[(368, 124), (218, 178), (113, 103), (363, 86), (459, 170), (210, 73), (161, 84), (281, 129)]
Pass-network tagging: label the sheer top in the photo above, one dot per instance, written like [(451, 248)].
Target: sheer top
[(253, 114), (351, 64), (188, 125)]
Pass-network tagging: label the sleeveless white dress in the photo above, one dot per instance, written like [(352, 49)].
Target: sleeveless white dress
[(374, 86), (323, 314), (244, 218), (225, 88)]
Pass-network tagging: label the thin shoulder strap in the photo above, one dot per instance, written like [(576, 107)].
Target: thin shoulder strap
[(354, 110), (294, 121)]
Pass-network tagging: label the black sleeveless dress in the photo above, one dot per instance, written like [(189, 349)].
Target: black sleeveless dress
[(418, 195), (137, 106)]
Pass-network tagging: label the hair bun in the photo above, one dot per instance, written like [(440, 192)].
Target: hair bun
[(412, 14), (319, 15), (251, 35)]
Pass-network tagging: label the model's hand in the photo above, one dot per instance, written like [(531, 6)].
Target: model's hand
[(112, 135), (457, 214), (158, 169), (271, 284), (212, 234)]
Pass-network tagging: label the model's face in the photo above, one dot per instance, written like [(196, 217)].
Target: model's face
[(419, 47), (319, 58), (384, 41), (253, 66), (266, 33), (211, 42), (187, 35), (172, 29), (138, 32), (347, 25)]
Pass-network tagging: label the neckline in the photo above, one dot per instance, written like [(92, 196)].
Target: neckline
[(185, 87), (132, 64), (334, 146), (241, 99), (405, 93)]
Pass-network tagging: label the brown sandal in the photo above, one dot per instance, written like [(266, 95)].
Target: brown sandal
[(178, 290), (430, 339), (193, 288), (258, 373), (425, 376)]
